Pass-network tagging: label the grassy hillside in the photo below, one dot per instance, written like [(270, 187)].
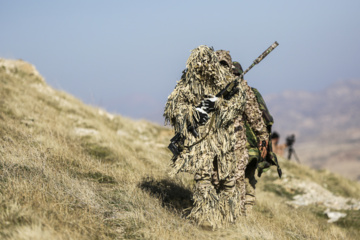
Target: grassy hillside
[(72, 171)]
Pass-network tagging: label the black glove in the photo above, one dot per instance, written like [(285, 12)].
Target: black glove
[(208, 104), (201, 116)]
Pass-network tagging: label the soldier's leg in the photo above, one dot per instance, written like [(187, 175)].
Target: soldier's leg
[(205, 200), (241, 157), (230, 198), (250, 181), (232, 194), (233, 188)]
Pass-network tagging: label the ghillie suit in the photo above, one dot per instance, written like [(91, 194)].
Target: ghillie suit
[(218, 156)]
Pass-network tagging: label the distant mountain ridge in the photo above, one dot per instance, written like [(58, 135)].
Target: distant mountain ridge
[(334, 111), (326, 124)]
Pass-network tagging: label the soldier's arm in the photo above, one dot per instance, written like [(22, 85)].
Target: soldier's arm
[(254, 115), (181, 113)]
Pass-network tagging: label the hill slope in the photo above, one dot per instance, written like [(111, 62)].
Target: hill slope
[(72, 171)]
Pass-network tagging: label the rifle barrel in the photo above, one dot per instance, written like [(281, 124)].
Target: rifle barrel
[(260, 58)]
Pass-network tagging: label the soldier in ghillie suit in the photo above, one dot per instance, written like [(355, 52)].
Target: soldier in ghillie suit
[(216, 151)]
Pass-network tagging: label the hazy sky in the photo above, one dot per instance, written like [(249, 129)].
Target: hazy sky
[(126, 56)]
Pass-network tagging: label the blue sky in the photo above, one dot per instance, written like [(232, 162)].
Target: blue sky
[(126, 56)]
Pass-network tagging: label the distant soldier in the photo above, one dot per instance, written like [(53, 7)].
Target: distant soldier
[(280, 148), (214, 135), (276, 147)]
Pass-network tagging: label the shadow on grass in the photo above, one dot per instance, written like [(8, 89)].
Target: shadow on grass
[(171, 194)]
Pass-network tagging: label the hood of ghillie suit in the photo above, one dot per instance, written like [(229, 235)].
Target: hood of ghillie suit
[(224, 58), (203, 75), (204, 71), (203, 66)]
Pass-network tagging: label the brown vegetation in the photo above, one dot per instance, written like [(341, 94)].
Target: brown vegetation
[(72, 171)]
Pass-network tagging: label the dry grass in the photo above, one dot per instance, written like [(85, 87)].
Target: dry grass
[(69, 171)]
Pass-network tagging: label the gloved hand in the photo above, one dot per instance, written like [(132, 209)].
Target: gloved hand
[(208, 104), (201, 116)]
